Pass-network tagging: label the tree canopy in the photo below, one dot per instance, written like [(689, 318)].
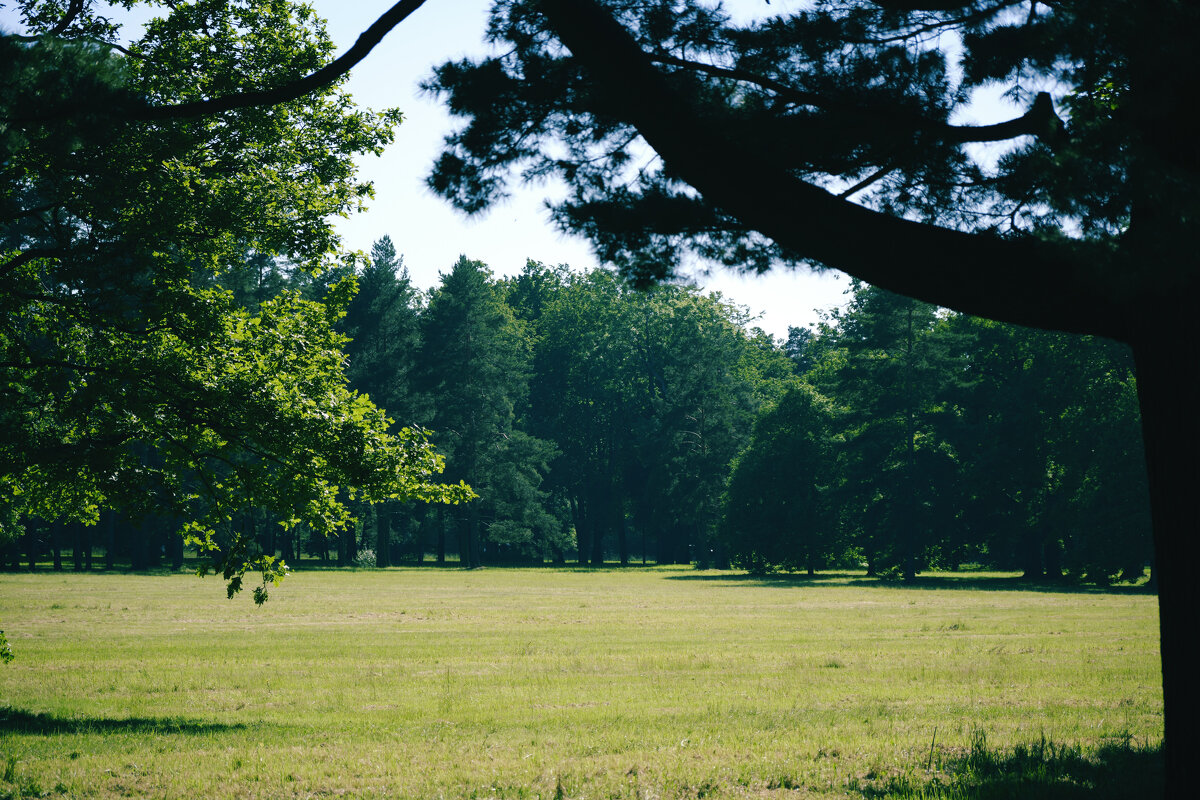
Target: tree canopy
[(130, 375)]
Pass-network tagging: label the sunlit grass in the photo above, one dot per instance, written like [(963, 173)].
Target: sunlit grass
[(647, 683)]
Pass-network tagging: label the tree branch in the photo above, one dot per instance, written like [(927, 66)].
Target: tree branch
[(1060, 285), (27, 256), (923, 5), (1039, 121), (73, 11), (290, 91)]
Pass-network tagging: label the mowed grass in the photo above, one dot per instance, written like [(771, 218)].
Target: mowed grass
[(638, 683)]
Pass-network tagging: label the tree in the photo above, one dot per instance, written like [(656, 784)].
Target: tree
[(826, 137), (129, 377), (474, 365), (778, 513), (382, 323), (1052, 473), (892, 370)]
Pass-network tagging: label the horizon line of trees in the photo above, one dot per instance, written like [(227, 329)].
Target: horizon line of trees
[(600, 423)]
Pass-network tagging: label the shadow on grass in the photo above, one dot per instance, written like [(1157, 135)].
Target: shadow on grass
[(19, 721), (941, 580), (1042, 770)]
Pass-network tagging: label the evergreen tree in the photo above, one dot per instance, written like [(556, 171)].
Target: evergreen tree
[(778, 513), (473, 363), (888, 379)]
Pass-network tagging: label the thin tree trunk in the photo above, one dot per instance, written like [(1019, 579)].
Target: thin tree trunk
[(110, 540), (56, 544), (622, 535), (174, 545), (79, 531), (1169, 393), (31, 543), (288, 546), (598, 519), (441, 535), (910, 500), (383, 535), (1032, 552)]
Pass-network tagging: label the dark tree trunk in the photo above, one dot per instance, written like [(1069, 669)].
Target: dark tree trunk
[(474, 555), (622, 536), (31, 543), (110, 540), (1052, 557), (174, 546), (583, 539), (56, 537), (441, 535), (288, 546), (140, 544), (77, 534), (1169, 393), (464, 547), (1032, 547), (383, 536), (88, 537), (598, 532), (343, 544)]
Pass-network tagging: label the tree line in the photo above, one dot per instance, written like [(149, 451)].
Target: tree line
[(599, 423)]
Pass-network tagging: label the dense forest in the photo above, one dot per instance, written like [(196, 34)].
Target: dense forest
[(601, 423)]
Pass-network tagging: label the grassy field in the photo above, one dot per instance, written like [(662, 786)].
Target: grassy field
[(642, 683)]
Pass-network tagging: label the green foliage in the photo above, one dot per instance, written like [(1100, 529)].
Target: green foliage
[(473, 363), (888, 380), (129, 378), (954, 440), (778, 514)]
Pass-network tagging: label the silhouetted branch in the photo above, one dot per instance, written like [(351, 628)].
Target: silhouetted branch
[(1058, 285), (73, 11), (290, 91)]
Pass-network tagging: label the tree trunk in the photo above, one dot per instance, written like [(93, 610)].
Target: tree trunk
[(77, 534), (56, 536), (441, 535), (464, 546), (288, 546), (174, 546), (31, 543), (622, 537), (88, 539), (110, 540), (583, 538), (1052, 556), (1032, 549), (1169, 394), (383, 536), (910, 466)]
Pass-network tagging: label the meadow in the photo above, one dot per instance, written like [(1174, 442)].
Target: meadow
[(543, 683)]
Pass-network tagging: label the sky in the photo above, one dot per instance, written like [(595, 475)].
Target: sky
[(431, 235), (426, 230)]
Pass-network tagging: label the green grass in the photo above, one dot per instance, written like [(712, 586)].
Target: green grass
[(642, 683)]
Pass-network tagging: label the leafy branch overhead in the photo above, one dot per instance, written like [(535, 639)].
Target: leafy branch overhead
[(129, 376)]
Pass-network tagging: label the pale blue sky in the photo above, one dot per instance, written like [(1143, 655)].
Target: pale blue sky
[(428, 232)]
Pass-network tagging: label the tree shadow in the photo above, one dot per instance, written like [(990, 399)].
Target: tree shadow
[(1041, 771), (942, 580), (18, 721)]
